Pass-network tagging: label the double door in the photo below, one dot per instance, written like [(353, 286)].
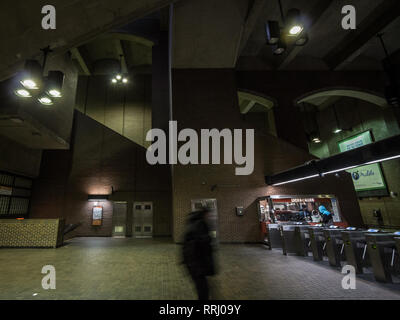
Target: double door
[(142, 220)]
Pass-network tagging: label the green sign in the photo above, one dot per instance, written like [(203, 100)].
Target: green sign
[(367, 177)]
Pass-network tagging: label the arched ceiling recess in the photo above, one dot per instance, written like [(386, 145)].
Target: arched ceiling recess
[(251, 102), (323, 97)]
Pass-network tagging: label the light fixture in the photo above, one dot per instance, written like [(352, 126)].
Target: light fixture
[(337, 130), (54, 84), (380, 151), (295, 180), (114, 80), (98, 197), (33, 81), (273, 32), (125, 80), (45, 100), (23, 93), (32, 75), (118, 77), (302, 39), (294, 24), (280, 47)]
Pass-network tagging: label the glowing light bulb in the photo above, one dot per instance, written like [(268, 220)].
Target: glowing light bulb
[(55, 93), (295, 30), (29, 84), (23, 93)]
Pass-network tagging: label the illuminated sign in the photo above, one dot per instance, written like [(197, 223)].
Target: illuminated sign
[(302, 200), (97, 216), (368, 177)]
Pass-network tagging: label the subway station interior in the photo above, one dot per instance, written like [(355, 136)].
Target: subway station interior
[(81, 91)]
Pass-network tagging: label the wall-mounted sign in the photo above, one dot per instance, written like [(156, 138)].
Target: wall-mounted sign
[(97, 216), (365, 178), (302, 200), (5, 191)]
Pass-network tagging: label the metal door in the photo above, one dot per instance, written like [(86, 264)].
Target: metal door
[(210, 204), (142, 219), (119, 219)]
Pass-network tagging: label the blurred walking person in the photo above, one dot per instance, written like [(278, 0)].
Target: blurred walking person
[(198, 252)]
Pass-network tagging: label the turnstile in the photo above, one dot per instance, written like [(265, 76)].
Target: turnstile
[(355, 247), (334, 246), (383, 255), (397, 240), (302, 240), (317, 242), (274, 236), (288, 238)]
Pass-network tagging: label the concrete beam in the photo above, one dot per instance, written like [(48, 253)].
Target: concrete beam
[(255, 9), (294, 50), (121, 53), (353, 44), (76, 54), (128, 37), (246, 105)]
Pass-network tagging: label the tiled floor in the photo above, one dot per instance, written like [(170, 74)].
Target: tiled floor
[(106, 268)]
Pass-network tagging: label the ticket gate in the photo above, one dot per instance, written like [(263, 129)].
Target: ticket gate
[(302, 240), (288, 238), (383, 255), (355, 248), (317, 242), (274, 236), (334, 246), (397, 240)]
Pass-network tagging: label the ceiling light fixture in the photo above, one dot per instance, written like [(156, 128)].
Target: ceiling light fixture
[(293, 27), (23, 93), (55, 81), (35, 84), (294, 24), (45, 100)]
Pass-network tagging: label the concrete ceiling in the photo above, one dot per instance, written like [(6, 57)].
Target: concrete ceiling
[(108, 52), (78, 22), (330, 47), (207, 33)]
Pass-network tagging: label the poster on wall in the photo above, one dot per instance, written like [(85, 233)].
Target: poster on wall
[(97, 216), (368, 180)]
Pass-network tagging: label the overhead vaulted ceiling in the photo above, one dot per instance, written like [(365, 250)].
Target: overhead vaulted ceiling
[(330, 46)]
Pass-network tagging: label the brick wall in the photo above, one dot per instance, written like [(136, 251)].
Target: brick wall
[(208, 99), (99, 159)]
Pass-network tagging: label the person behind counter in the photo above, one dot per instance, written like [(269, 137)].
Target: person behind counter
[(316, 217), (304, 213), (327, 217)]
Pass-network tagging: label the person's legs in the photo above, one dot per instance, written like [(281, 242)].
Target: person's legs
[(201, 287)]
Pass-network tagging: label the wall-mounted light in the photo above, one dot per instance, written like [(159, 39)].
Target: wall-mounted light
[(98, 197)]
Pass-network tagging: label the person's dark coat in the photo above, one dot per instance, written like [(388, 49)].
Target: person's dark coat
[(197, 248)]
